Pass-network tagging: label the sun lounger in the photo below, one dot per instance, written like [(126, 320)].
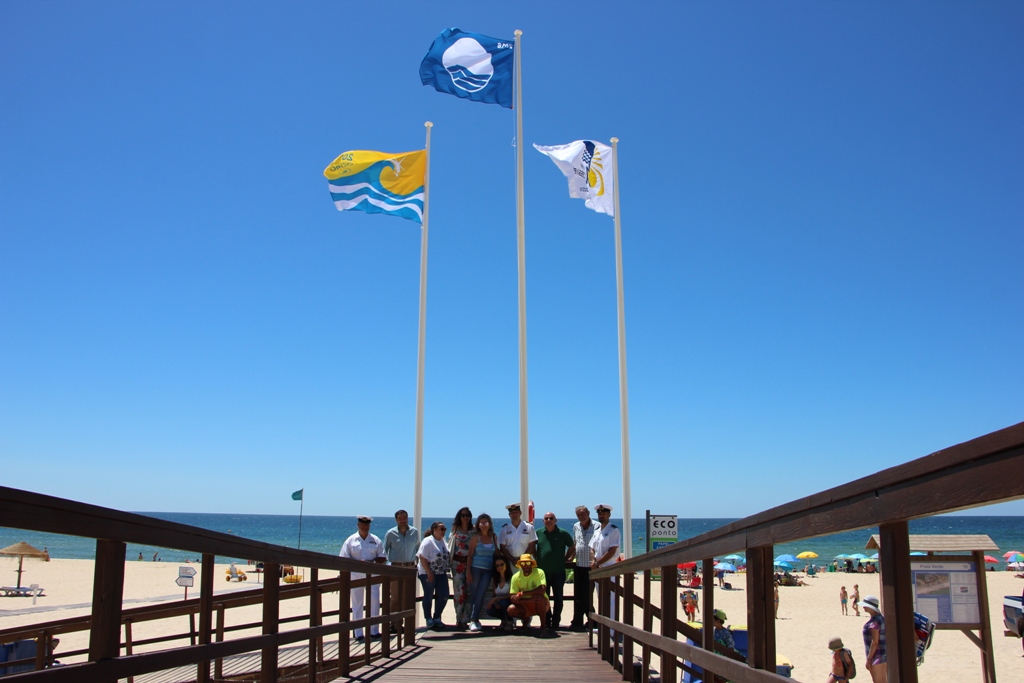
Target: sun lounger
[(21, 591)]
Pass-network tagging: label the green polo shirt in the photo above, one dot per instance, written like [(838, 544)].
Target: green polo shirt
[(551, 549)]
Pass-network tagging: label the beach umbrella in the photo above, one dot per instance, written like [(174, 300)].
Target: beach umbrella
[(841, 556), (1016, 557), (687, 565), (807, 555), (918, 552), (858, 556), (989, 558), (785, 558), (21, 550), (1011, 552), (783, 565), (874, 557), (725, 567), (734, 558)]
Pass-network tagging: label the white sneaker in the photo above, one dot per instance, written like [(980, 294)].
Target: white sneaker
[(473, 627), (478, 626)]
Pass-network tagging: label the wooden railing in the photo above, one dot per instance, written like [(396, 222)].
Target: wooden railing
[(986, 470), (113, 529)]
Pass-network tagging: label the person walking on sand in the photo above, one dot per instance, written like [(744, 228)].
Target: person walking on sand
[(843, 666), (582, 533), (843, 598), (458, 546), (855, 599), (776, 600), (364, 546), (874, 639)]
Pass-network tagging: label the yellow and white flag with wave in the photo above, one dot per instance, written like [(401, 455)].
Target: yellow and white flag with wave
[(588, 166), (379, 182)]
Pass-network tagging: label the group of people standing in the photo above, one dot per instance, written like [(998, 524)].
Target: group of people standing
[(843, 666), (524, 570)]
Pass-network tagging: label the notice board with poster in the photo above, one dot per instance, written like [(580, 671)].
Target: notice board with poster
[(946, 592)]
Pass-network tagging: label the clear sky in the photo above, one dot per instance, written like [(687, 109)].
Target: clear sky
[(822, 207)]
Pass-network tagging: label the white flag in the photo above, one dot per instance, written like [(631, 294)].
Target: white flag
[(588, 166)]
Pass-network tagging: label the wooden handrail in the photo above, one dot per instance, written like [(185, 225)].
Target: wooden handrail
[(989, 469), (37, 512)]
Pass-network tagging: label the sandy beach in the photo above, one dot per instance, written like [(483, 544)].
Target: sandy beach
[(808, 615)]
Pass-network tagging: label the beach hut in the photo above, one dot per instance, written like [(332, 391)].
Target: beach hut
[(21, 550)]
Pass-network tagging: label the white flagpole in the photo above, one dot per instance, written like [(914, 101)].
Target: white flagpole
[(524, 475), (627, 515), (417, 498)]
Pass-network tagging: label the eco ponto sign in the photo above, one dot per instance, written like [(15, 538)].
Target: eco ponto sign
[(662, 530)]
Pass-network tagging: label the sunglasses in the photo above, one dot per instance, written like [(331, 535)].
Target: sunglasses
[(547, 519), (465, 514)]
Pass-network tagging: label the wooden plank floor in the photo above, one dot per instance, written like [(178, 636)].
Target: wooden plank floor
[(493, 657)]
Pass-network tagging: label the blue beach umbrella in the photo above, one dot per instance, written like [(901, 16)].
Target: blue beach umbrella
[(841, 556), (874, 557), (784, 565), (725, 567), (785, 558), (858, 556), (734, 558)]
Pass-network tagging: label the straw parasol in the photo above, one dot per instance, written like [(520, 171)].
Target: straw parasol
[(21, 550)]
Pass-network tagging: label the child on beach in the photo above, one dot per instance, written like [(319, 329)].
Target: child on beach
[(843, 597), (856, 599)]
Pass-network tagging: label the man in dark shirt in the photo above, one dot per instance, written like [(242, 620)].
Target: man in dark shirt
[(555, 546)]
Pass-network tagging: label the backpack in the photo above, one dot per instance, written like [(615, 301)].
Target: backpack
[(851, 670)]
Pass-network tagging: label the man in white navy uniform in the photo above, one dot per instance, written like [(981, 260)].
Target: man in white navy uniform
[(364, 546), (605, 543), (517, 538)]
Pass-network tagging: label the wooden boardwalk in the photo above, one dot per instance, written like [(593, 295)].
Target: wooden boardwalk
[(444, 657), (493, 657)]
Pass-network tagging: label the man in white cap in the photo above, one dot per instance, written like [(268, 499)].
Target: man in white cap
[(364, 546), (517, 538), (605, 543)]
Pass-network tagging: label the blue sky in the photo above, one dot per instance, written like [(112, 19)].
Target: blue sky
[(821, 205)]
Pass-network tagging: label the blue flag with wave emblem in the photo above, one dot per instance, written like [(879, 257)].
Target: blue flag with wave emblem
[(470, 65)]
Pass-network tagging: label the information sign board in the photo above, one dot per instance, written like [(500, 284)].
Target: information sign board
[(185, 581), (186, 571), (946, 592), (663, 528)]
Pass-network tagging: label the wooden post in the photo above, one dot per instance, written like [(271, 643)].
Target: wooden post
[(387, 626), (205, 613), (271, 616), (648, 626), (627, 618), (898, 602), (669, 611), (988, 662), (218, 664), (761, 607), (315, 619), (107, 593), (127, 644), (344, 616), (367, 638), (603, 608), (410, 603), (708, 607)]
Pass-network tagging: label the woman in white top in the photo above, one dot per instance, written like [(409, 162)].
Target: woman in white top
[(498, 607), (434, 565)]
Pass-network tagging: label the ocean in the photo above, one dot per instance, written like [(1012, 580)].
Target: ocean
[(325, 534)]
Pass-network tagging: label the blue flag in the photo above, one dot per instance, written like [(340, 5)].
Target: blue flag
[(470, 65)]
